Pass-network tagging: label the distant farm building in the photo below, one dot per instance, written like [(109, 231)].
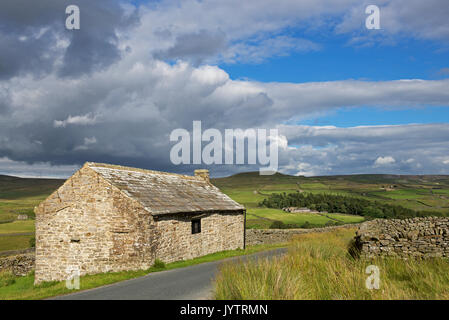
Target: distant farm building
[(297, 210), (112, 218)]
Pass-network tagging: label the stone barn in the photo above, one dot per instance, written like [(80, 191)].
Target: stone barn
[(113, 218)]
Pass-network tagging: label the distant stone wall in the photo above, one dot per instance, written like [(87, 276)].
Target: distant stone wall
[(19, 265), (269, 236), (418, 237), (16, 252)]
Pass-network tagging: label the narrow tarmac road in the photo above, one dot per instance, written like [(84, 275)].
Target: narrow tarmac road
[(189, 283)]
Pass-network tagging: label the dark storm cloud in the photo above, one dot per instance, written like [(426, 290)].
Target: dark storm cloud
[(194, 47), (20, 14), (33, 36), (95, 44), (30, 55), (125, 115)]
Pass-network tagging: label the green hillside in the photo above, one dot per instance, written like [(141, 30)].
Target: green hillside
[(420, 193), (423, 193), (21, 195)]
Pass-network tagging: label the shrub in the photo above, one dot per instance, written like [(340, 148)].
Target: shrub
[(342, 204), (32, 242), (330, 223), (159, 264), (7, 279), (278, 225), (306, 225)]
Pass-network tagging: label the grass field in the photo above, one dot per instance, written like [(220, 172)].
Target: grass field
[(8, 243), (22, 288), (260, 218), (17, 227), (318, 266), (19, 196), (16, 235), (426, 193)]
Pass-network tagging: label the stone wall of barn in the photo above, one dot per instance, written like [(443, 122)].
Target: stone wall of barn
[(89, 225), (219, 232), (418, 237)]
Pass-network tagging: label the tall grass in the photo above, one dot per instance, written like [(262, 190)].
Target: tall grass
[(318, 266)]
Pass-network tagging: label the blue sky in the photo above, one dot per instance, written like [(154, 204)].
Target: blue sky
[(336, 60), (370, 116)]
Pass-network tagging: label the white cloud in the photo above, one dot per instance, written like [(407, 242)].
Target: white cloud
[(87, 143), (382, 161), (398, 18), (260, 50), (83, 120), (36, 170), (245, 26), (254, 31), (140, 103), (305, 169), (333, 150), (280, 140)]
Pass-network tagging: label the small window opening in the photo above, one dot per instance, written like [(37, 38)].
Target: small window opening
[(196, 226)]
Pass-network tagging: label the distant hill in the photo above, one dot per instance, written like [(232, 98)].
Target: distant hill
[(417, 192), (390, 178), (249, 178), (14, 187), (421, 192)]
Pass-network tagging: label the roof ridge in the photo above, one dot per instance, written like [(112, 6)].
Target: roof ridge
[(170, 193), (126, 168)]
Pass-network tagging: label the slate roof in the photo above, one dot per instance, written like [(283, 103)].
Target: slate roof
[(166, 193)]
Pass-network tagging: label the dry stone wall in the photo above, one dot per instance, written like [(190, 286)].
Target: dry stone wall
[(19, 265), (418, 237), (269, 236)]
